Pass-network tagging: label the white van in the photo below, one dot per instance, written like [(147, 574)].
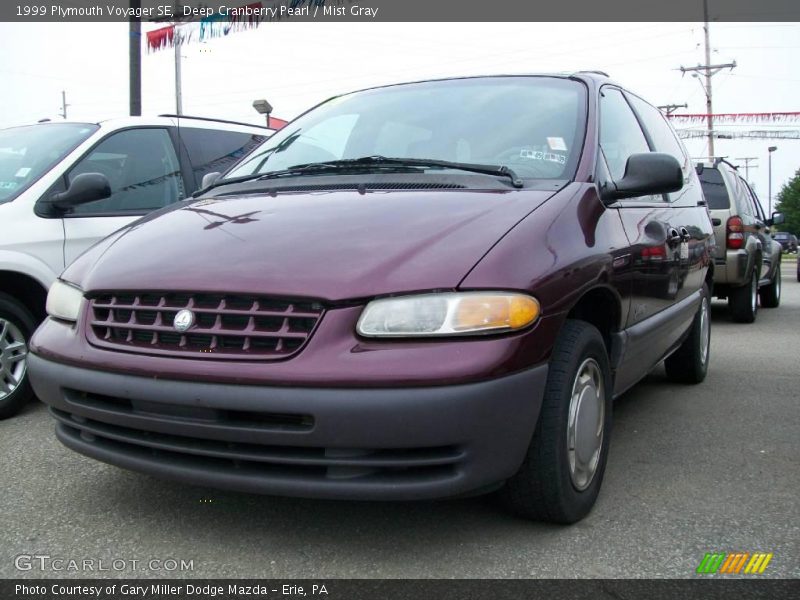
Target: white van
[(54, 205)]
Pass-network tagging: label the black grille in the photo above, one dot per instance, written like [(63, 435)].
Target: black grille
[(225, 325)]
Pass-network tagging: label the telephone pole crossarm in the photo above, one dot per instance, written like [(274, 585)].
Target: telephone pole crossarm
[(671, 108), (713, 68)]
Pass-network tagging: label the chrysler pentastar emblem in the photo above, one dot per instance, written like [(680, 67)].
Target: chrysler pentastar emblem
[(183, 320)]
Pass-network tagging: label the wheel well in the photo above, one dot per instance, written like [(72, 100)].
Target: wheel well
[(601, 308), (27, 290), (710, 278)]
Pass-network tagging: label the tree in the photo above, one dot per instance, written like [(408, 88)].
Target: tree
[(788, 202)]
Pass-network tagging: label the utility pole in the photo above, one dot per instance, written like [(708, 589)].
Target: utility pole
[(710, 70), (671, 108), (177, 39), (747, 160), (135, 60), (178, 90), (64, 104)]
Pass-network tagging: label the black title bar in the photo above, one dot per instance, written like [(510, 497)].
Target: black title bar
[(709, 588), (33, 11)]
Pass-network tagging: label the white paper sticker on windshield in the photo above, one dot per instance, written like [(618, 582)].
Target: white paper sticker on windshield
[(533, 154), (557, 143), (22, 172)]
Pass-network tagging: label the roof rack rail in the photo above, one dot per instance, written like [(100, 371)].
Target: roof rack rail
[(212, 119), (722, 159), (595, 72)]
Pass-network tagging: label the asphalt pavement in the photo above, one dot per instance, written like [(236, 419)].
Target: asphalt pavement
[(692, 469)]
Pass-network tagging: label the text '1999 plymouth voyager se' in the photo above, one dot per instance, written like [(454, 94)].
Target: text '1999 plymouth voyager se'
[(415, 291)]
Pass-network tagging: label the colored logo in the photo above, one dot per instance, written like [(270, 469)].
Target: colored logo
[(734, 563), (183, 320)]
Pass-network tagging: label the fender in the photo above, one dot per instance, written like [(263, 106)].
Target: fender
[(25, 264)]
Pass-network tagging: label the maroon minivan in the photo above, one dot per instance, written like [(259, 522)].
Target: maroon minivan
[(414, 291)]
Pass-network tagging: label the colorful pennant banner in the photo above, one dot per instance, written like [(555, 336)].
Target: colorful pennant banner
[(213, 26), (217, 25)]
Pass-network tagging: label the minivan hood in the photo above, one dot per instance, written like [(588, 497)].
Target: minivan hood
[(326, 245)]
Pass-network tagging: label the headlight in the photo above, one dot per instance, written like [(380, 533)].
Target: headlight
[(448, 314), (64, 301)]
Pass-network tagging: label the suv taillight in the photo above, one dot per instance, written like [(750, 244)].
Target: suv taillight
[(735, 229)]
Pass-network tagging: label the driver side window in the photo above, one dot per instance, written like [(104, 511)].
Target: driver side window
[(141, 167)]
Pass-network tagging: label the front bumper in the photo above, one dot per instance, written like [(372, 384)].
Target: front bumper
[(359, 443)]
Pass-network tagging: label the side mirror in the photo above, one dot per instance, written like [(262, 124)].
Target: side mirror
[(777, 219), (86, 187), (209, 179), (645, 174)]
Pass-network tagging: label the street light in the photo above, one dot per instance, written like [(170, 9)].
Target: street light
[(771, 149), (263, 107)]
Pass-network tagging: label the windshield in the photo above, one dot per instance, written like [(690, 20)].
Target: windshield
[(27, 153), (534, 125)]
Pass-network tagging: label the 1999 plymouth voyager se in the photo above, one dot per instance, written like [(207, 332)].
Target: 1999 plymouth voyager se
[(414, 291)]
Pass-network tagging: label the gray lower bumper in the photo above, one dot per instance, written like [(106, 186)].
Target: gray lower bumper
[(379, 444)]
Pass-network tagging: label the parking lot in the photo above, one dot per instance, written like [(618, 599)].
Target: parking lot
[(691, 470)]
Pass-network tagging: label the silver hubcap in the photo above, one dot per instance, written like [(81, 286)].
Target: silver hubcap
[(705, 331), (585, 426), (778, 282), (13, 352), (754, 293)]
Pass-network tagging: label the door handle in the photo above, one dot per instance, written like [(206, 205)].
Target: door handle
[(685, 234), (673, 237)]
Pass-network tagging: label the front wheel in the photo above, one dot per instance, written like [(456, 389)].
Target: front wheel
[(561, 475), (771, 294), (689, 363), (16, 327)]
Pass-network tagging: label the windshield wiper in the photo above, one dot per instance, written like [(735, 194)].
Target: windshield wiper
[(371, 163), (219, 182), (386, 162)]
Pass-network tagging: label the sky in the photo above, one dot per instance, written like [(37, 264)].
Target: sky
[(296, 65)]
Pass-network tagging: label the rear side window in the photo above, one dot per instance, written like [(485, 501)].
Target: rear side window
[(214, 151), (714, 189)]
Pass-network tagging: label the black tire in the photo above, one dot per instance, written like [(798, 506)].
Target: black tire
[(544, 488), (743, 301), (689, 363), (770, 295), (15, 321)]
